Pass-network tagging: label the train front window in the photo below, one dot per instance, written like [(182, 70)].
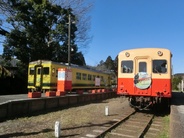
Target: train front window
[(31, 71), (46, 70), (159, 66), (127, 66), (142, 67)]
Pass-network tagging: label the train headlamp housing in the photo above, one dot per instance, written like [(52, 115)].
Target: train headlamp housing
[(160, 53), (53, 70), (127, 54), (39, 62)]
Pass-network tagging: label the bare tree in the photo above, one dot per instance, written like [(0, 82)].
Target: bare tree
[(81, 9), (5, 11)]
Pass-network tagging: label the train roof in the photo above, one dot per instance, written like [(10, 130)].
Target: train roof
[(140, 49), (145, 50), (66, 64)]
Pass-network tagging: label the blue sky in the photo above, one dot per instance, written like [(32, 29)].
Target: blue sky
[(117, 25)]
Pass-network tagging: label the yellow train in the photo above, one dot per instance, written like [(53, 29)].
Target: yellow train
[(43, 76)]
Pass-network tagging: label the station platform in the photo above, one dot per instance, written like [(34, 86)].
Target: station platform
[(18, 97), (177, 115), (15, 97)]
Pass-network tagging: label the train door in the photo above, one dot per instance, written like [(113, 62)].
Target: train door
[(142, 77), (38, 76)]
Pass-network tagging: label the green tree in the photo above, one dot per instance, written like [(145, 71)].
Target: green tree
[(40, 32), (109, 63), (116, 65), (81, 9), (38, 29), (175, 82)]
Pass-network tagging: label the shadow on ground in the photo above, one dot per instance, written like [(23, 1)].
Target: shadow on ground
[(177, 98)]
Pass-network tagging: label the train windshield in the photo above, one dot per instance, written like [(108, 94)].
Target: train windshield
[(127, 66), (31, 71), (46, 70), (142, 67), (159, 66)]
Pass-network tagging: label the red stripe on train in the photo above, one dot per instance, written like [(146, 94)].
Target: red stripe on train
[(158, 87)]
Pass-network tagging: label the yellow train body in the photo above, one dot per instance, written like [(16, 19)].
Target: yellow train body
[(42, 76)]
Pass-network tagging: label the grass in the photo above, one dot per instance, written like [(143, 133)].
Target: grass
[(165, 131)]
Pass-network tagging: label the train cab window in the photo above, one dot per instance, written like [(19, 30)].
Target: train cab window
[(159, 66), (89, 77), (31, 71), (127, 66), (78, 76), (46, 70), (84, 76), (142, 67)]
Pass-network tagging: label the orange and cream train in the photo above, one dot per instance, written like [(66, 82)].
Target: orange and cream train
[(144, 75)]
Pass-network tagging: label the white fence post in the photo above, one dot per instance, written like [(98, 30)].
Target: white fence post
[(57, 129), (106, 110)]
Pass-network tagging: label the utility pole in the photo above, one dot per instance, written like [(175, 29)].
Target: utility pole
[(69, 33)]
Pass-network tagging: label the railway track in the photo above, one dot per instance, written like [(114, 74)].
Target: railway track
[(132, 125)]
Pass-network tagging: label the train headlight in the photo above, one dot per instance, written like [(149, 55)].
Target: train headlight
[(53, 70), (127, 54), (160, 53)]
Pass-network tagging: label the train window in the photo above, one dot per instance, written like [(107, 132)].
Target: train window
[(78, 76), (142, 67), (89, 77), (84, 76), (46, 70), (39, 71), (102, 79), (94, 77), (159, 66), (31, 71), (127, 66)]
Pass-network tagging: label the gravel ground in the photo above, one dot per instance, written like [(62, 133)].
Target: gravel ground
[(74, 121)]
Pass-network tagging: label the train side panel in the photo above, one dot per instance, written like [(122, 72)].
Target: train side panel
[(51, 82), (83, 78)]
